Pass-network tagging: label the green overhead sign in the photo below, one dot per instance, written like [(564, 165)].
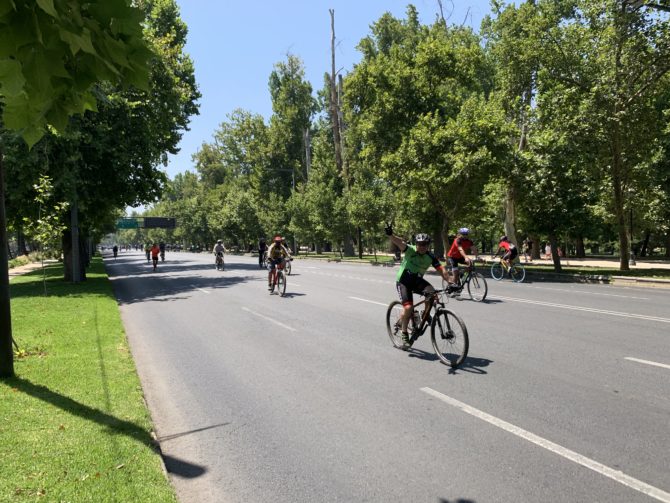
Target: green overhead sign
[(127, 223), (146, 223)]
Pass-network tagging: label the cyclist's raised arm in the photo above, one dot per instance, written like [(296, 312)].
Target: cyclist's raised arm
[(395, 239)]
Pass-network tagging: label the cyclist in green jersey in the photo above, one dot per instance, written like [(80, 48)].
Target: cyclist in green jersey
[(409, 279)]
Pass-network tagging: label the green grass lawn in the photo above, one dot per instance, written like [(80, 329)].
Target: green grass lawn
[(73, 422)]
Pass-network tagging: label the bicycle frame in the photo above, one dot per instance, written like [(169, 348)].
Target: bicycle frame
[(431, 303)]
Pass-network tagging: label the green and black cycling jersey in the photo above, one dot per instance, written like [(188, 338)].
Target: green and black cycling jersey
[(415, 264)]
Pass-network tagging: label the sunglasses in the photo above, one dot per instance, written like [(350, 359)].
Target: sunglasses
[(422, 243)]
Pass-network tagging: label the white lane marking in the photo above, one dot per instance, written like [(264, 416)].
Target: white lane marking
[(588, 309), (311, 267), (656, 364), (617, 475), (589, 293), (369, 301), (200, 289), (269, 319)]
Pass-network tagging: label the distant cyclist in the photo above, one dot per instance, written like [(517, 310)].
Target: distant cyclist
[(409, 279), (262, 248), (155, 250), (115, 250), (277, 253), (218, 252), (510, 250), (459, 254)]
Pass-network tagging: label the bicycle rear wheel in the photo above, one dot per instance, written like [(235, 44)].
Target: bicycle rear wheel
[(450, 338), (497, 271), (477, 287), (517, 273), (281, 283)]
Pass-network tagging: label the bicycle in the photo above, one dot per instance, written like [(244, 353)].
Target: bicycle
[(516, 271), (279, 280), (288, 266), (264, 260), (448, 332), (219, 261), (475, 282)]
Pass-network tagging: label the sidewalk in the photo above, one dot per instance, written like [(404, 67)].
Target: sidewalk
[(24, 269)]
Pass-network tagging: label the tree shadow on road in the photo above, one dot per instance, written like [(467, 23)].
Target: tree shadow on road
[(136, 282)]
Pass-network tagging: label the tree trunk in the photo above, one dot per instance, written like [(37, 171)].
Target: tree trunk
[(645, 243), (554, 253), (535, 252), (68, 259), (444, 235), (360, 243), (334, 115), (510, 215), (581, 252), (6, 353)]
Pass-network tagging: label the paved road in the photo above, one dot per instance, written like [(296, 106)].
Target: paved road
[(565, 395)]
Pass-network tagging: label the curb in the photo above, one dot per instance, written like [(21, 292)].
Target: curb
[(643, 282)]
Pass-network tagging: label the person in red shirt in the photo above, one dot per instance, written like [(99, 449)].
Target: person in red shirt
[(155, 251), (459, 254), (510, 250)]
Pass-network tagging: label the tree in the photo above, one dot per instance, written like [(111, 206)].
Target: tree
[(611, 57), (52, 53)]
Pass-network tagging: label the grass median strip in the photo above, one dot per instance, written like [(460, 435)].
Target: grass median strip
[(73, 423)]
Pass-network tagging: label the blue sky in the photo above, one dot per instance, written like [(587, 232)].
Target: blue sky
[(235, 43)]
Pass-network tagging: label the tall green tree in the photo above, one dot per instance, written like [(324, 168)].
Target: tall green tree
[(52, 53), (611, 57)]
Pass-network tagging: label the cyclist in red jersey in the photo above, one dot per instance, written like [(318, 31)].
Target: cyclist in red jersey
[(458, 254), (511, 251)]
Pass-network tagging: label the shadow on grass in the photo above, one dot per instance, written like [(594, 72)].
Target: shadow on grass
[(32, 284), (113, 424)]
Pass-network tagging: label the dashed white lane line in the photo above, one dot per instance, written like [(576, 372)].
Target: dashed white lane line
[(656, 364), (369, 301), (588, 293), (616, 475), (202, 290), (587, 309), (269, 319)]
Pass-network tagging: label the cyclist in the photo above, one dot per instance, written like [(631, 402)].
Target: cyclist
[(155, 250), (458, 254), (161, 247), (147, 251), (218, 251), (262, 248), (115, 250), (276, 255), (511, 251), (409, 279)]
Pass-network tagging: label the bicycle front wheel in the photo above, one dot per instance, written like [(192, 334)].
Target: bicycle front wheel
[(281, 283), (287, 268), (497, 271), (477, 287), (450, 338), (517, 273)]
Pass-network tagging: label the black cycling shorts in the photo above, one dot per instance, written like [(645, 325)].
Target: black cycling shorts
[(453, 262), (412, 283), (511, 254)]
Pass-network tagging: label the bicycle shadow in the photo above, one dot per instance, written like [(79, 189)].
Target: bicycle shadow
[(290, 295), (472, 365)]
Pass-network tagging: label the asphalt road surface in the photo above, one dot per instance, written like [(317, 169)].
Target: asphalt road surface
[(564, 396)]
